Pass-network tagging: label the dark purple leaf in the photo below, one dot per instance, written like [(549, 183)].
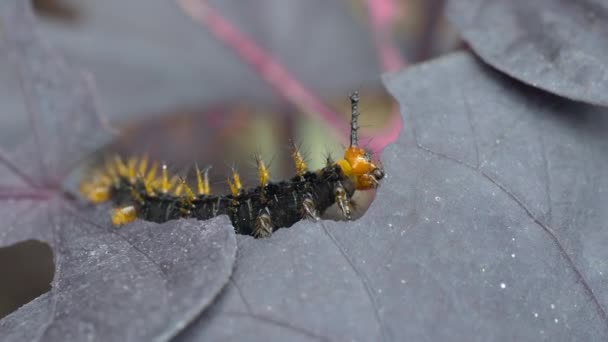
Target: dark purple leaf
[(142, 283), (490, 226), (59, 110), (558, 46)]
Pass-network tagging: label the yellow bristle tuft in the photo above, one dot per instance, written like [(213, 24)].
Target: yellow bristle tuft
[(120, 166), (164, 183), (151, 176), (207, 189), (149, 189), (200, 185), (94, 192), (178, 189), (202, 181), (97, 189), (235, 183), (131, 173), (263, 174), (189, 195), (99, 194), (124, 215), (298, 161), (136, 195), (104, 179), (173, 182), (143, 166), (100, 177)]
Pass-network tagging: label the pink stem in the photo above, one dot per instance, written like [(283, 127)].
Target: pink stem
[(271, 70), (382, 17)]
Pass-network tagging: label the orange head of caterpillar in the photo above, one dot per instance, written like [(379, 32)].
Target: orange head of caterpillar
[(360, 168), (357, 163)]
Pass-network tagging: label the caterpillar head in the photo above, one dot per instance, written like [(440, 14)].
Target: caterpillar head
[(360, 168), (357, 163)]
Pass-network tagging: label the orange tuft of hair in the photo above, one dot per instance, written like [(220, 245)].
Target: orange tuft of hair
[(359, 168)]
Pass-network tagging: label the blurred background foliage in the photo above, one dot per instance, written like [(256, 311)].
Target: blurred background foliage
[(218, 83), (187, 90)]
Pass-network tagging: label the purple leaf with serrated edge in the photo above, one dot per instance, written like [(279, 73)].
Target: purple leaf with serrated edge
[(557, 46), (142, 283), (490, 226)]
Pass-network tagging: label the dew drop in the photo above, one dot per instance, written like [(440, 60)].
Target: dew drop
[(536, 315), (503, 285), (437, 199)]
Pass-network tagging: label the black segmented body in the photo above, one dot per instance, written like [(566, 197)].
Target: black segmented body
[(283, 202)]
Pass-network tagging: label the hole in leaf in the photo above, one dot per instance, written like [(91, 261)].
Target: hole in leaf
[(27, 270)]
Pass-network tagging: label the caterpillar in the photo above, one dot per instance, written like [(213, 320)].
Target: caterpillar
[(137, 191)]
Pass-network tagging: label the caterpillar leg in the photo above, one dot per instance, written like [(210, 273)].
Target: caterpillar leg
[(263, 225), (309, 209), (343, 201), (123, 215)]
